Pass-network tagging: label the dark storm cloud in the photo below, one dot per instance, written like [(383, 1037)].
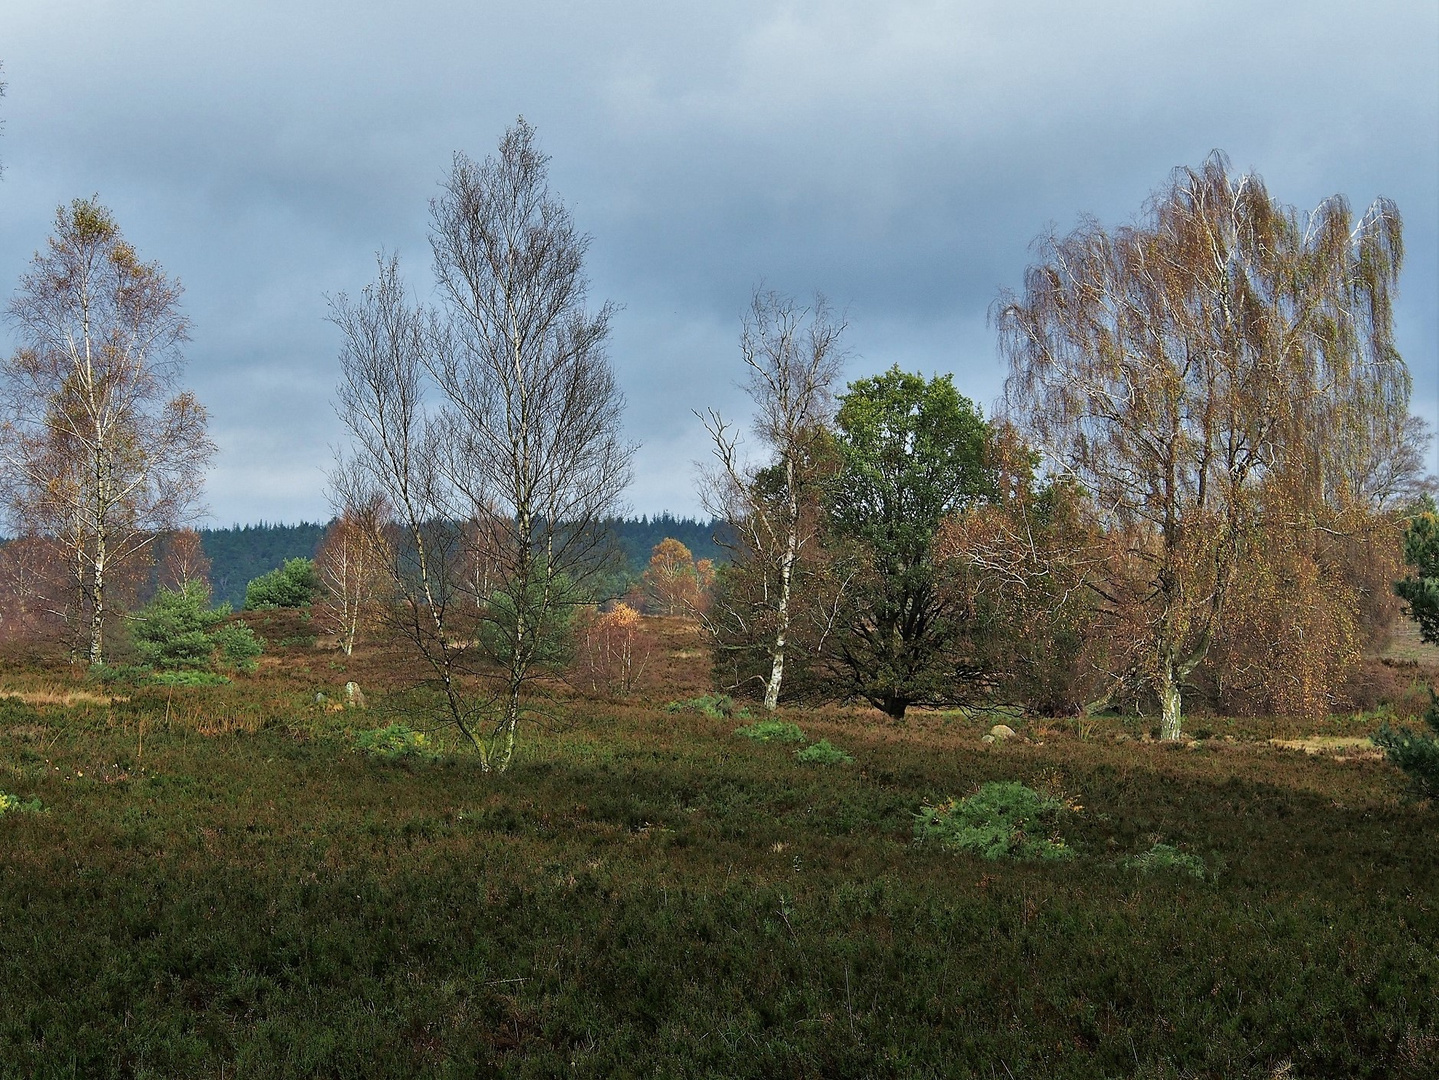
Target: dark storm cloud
[(900, 158)]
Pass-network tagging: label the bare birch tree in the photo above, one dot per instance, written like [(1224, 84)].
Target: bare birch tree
[(1179, 369), (492, 427), (352, 565), (792, 356), (99, 450)]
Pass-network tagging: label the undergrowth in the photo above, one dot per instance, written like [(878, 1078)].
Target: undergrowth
[(220, 884), (771, 731), (1001, 820)]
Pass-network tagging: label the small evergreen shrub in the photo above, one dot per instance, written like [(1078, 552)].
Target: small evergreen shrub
[(13, 804), (1415, 752), (296, 584), (771, 731), (1001, 820), (394, 742), (179, 631), (823, 752), (1162, 858)]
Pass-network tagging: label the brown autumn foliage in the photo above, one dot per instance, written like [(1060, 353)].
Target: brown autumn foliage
[(1024, 561), (671, 580), (612, 649), (1204, 374), (182, 559), (353, 563)]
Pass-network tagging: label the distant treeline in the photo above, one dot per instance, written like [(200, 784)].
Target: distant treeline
[(242, 553)]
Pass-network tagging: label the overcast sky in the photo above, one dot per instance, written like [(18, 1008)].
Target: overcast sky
[(898, 157)]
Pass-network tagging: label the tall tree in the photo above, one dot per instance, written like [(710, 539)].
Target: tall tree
[(1223, 362), (351, 564), (792, 357), (671, 582), (912, 455), (492, 429), (100, 449)]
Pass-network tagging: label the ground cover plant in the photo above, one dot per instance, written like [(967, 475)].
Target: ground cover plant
[(1003, 819), (220, 883), (771, 731), (823, 752)]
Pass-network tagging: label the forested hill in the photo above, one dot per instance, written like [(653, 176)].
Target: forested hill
[(638, 537), (242, 553)]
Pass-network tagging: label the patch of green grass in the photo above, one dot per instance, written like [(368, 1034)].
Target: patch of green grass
[(394, 742), (187, 677), (13, 804), (1166, 858), (1004, 819), (771, 731), (823, 753), (715, 706)]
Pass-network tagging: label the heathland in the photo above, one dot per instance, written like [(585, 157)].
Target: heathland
[(246, 880)]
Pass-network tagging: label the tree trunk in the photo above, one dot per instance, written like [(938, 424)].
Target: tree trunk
[(1168, 689)]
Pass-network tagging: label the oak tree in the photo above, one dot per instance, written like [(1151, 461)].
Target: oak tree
[(912, 455)]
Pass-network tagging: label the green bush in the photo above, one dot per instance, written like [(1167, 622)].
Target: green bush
[(14, 804), (238, 645), (296, 584), (715, 706), (1416, 752), (771, 731), (823, 753), (1002, 819), (179, 631), (1165, 857), (394, 742)]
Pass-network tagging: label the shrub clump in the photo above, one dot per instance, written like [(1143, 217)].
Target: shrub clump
[(179, 632), (1162, 858), (13, 804), (771, 731), (296, 584), (394, 742), (1415, 752), (1001, 820), (715, 706), (823, 752)]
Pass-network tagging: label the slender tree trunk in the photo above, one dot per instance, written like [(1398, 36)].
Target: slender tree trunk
[(786, 576), (1169, 701)]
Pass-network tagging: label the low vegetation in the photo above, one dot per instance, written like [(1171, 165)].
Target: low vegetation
[(267, 879)]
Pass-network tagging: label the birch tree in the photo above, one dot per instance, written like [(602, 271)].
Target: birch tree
[(1189, 369), (792, 356), (99, 448), (491, 427)]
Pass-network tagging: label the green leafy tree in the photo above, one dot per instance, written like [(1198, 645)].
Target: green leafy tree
[(1420, 590), (295, 584), (1417, 753), (912, 453), (179, 630)]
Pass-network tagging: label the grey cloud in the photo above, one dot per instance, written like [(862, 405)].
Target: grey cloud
[(898, 157)]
